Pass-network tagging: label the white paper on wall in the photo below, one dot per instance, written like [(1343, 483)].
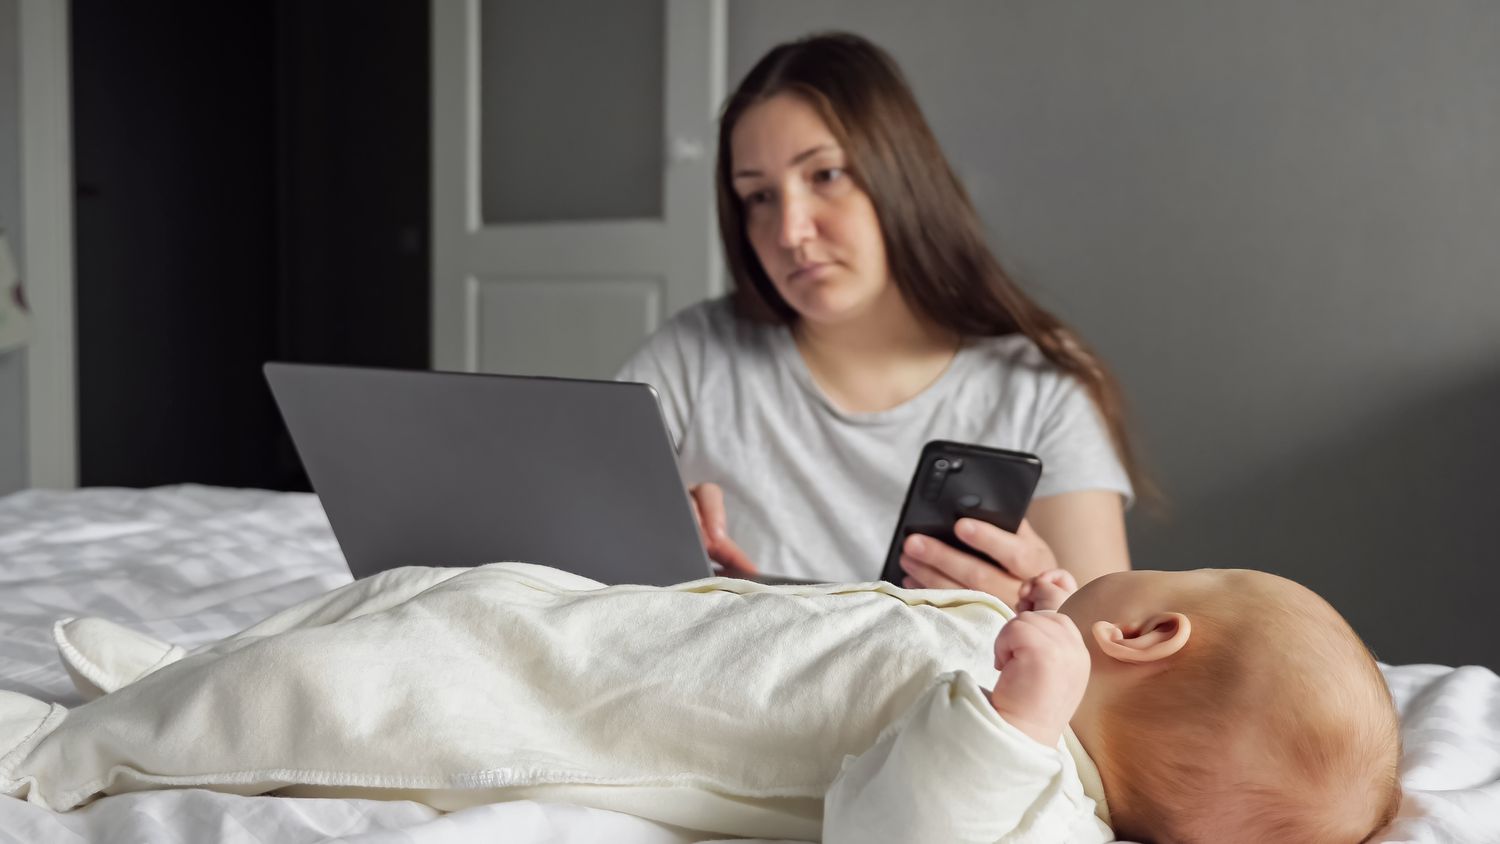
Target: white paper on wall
[(15, 320)]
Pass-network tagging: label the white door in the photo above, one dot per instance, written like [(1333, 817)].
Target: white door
[(573, 203)]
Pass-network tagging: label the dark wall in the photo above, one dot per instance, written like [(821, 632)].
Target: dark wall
[(252, 186)]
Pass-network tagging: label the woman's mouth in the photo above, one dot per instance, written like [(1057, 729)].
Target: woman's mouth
[(810, 271)]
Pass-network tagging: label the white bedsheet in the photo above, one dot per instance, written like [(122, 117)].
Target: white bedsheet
[(193, 564)]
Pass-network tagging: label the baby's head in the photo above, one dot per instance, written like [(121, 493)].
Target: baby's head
[(1228, 705)]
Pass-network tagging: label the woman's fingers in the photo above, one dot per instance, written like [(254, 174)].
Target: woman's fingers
[(955, 565), (708, 502), (1024, 554), (708, 509), (733, 561), (923, 576), (698, 518), (937, 565)]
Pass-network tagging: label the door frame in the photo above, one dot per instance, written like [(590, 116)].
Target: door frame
[(47, 238)]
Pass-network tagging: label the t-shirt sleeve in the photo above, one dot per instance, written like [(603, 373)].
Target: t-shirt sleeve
[(953, 770), (671, 361), (1075, 446)]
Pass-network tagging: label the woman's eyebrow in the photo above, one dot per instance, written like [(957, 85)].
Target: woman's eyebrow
[(796, 159)]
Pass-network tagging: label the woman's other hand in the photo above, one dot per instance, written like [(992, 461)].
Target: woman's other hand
[(932, 564), (708, 508)]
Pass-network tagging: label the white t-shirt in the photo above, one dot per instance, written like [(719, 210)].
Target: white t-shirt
[(812, 491)]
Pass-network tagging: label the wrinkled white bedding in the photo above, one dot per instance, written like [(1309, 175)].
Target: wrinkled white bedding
[(193, 564)]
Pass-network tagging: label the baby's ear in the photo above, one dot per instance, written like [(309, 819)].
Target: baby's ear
[(1161, 636)]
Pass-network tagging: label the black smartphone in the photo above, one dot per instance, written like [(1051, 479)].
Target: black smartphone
[(954, 480)]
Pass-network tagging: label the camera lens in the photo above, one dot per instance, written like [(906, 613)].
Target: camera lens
[(940, 464)]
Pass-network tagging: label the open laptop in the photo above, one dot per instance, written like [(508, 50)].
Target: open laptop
[(457, 469)]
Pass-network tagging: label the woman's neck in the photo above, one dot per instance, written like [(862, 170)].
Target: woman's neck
[(878, 360)]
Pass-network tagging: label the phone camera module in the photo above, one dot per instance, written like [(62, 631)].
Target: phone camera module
[(941, 464)]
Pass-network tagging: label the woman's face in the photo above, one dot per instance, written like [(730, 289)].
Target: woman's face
[(813, 229)]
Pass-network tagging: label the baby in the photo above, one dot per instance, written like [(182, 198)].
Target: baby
[(1218, 705), (1197, 706)]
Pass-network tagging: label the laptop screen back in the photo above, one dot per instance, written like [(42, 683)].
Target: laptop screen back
[(455, 469)]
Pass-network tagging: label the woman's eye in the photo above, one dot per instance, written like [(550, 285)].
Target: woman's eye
[(828, 174), (759, 197)]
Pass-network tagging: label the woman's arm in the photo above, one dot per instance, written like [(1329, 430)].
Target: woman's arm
[(1086, 531)]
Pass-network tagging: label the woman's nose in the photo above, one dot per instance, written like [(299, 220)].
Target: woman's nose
[(797, 224)]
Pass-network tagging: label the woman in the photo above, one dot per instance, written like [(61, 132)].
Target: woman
[(868, 317)]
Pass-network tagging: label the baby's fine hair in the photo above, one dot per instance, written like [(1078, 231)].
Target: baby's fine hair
[(1273, 723)]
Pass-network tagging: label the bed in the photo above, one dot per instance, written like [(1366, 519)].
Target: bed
[(192, 564)]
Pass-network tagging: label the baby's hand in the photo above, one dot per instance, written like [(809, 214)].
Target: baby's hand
[(1044, 668), (1046, 591)]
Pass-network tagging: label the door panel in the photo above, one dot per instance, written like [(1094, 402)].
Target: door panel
[(570, 110), (600, 320)]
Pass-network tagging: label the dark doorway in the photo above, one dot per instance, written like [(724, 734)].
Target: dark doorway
[(252, 183)]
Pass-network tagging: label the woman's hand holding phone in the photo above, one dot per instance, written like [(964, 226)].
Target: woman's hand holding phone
[(932, 564), (708, 509)]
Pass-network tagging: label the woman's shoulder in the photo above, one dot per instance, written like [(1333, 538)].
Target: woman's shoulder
[(710, 318), (1015, 355), (1013, 372), (706, 337), (715, 325), (689, 333)]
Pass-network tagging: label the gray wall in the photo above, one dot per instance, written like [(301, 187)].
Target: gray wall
[(1280, 223), (12, 364)]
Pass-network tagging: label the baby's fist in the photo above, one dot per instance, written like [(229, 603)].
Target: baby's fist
[(1046, 591), (1044, 669)]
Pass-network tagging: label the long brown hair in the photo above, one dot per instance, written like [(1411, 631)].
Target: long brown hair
[(934, 241)]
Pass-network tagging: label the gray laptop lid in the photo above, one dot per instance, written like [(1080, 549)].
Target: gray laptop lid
[(453, 469)]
